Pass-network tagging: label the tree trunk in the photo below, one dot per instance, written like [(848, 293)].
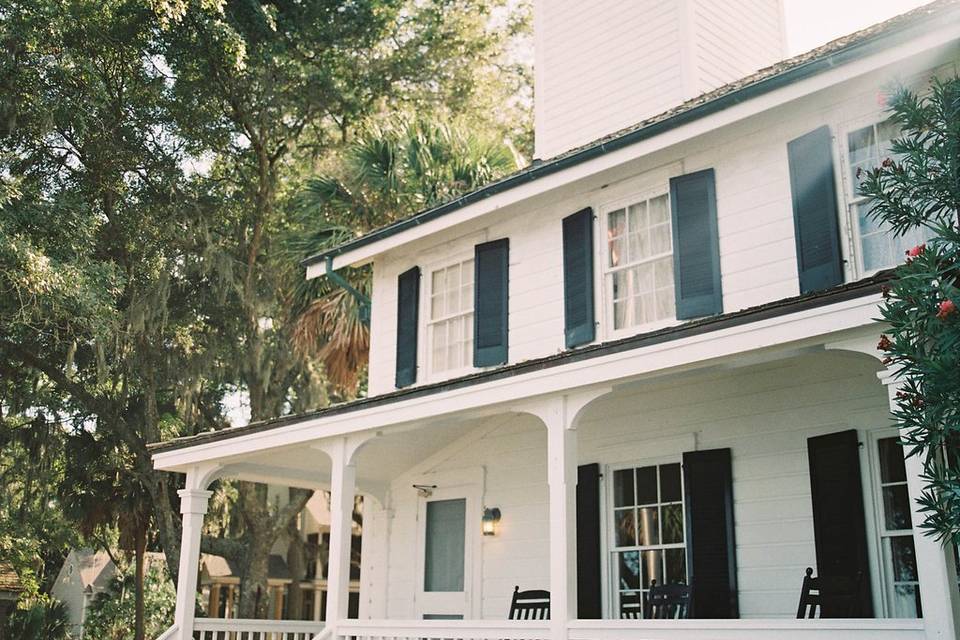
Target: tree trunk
[(254, 590), (140, 559), (297, 564)]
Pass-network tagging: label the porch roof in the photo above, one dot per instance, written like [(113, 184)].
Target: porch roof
[(849, 291), (840, 51)]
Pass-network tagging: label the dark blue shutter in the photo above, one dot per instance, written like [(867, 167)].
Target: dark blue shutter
[(408, 312), (711, 548), (589, 555), (839, 524), (696, 249), (490, 297), (815, 217), (578, 278)]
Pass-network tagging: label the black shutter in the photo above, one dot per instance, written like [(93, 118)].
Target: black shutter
[(578, 278), (711, 549), (815, 219), (696, 249), (408, 311), (589, 605), (490, 296), (839, 525)]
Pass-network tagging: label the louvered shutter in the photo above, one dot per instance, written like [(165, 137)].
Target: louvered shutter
[(589, 581), (408, 312), (839, 524), (815, 215), (711, 548), (696, 248), (491, 294), (578, 278)]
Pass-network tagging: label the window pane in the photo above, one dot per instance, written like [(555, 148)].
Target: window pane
[(676, 560), (659, 210), (892, 468), (902, 558), (629, 570), (862, 148), (648, 527), (444, 554), (906, 601), (896, 508), (660, 239), (623, 488), (626, 528), (647, 485), (652, 566), (672, 523), (670, 483)]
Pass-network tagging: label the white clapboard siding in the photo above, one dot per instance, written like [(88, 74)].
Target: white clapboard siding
[(755, 223), (763, 413)]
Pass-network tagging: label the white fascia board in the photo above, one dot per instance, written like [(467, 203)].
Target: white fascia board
[(806, 325), (929, 41)]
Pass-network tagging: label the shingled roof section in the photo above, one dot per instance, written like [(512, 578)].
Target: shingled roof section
[(9, 580), (823, 58)]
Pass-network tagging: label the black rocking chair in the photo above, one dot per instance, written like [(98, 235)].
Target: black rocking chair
[(832, 596), (530, 605), (664, 602)]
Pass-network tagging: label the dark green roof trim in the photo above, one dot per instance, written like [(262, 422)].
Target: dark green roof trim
[(841, 293), (841, 51)]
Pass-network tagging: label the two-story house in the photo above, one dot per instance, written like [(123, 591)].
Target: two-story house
[(648, 358)]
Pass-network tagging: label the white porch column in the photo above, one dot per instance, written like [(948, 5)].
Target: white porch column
[(560, 414), (343, 484), (193, 505), (936, 568), (562, 477)]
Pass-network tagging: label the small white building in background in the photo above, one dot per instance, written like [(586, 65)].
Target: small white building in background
[(651, 353)]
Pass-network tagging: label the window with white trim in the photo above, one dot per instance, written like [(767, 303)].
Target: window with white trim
[(901, 586), (648, 531), (877, 246), (450, 327), (639, 264)]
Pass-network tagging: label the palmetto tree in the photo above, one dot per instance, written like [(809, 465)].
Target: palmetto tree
[(387, 173)]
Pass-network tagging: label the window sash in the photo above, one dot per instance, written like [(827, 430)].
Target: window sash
[(450, 326), (868, 233), (632, 229)]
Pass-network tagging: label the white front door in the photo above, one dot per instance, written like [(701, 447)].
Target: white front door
[(446, 540)]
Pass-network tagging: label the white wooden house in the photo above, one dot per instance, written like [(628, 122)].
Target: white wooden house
[(653, 353)]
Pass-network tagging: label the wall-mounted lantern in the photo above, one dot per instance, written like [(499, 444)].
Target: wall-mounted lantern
[(491, 517)]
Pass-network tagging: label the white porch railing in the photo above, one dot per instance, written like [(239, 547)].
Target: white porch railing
[(865, 629), (239, 629), (443, 630), (633, 630)]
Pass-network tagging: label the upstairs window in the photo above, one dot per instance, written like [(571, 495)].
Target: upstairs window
[(450, 328), (639, 264), (878, 246)]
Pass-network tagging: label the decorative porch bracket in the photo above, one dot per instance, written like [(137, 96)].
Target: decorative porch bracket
[(343, 487), (560, 415), (936, 565)]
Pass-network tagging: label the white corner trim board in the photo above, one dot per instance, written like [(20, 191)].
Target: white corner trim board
[(810, 325)]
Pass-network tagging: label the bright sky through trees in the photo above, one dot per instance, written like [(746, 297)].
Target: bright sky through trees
[(811, 23)]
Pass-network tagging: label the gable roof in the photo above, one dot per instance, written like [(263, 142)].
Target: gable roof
[(845, 49), (95, 568), (220, 567)]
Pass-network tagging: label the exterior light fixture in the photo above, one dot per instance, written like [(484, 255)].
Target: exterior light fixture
[(491, 516)]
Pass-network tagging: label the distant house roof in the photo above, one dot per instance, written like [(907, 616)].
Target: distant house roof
[(9, 580), (824, 58), (96, 569), (220, 567)]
